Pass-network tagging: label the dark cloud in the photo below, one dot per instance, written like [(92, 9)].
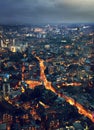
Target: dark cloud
[(50, 11)]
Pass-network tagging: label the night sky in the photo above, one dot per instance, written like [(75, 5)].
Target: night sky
[(46, 11)]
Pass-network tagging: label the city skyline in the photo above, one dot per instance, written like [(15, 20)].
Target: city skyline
[(41, 12)]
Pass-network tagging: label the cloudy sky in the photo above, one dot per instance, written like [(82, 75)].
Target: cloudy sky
[(46, 11)]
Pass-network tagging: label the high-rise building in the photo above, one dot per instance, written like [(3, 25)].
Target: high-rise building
[(6, 85)]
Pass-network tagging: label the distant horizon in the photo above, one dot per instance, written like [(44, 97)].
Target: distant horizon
[(43, 24)]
